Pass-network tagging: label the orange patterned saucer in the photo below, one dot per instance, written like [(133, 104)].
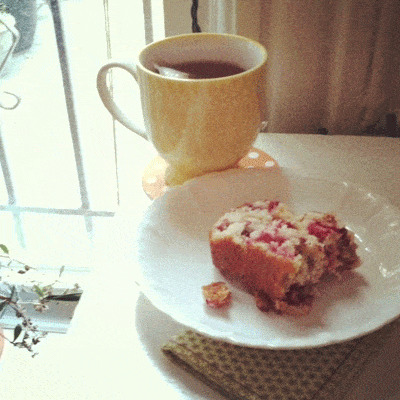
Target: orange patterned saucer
[(153, 176)]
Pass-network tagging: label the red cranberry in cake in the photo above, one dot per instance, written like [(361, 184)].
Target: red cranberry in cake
[(280, 257), (339, 246)]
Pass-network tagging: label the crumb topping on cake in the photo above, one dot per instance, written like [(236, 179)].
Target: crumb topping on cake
[(280, 257)]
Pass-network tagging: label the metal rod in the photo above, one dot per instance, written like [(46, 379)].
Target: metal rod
[(107, 27), (12, 198), (62, 211), (6, 173), (66, 76), (193, 12), (148, 21)]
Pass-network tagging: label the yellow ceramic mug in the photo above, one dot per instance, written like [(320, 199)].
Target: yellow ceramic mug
[(196, 125)]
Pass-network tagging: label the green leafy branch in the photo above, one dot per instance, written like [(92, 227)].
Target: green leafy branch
[(26, 335), (31, 335)]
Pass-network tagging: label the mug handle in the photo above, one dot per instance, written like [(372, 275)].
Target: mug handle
[(108, 100)]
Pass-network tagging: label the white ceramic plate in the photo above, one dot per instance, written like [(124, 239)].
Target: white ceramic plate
[(175, 260)]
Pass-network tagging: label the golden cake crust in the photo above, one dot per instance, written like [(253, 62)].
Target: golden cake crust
[(247, 264)]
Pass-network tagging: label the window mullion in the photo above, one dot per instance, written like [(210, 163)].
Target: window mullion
[(63, 58)]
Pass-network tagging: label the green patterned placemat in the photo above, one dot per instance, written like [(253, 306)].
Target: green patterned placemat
[(244, 373)]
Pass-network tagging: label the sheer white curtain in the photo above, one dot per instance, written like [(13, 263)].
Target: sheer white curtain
[(332, 64)]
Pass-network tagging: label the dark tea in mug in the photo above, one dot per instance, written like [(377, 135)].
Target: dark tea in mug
[(207, 69)]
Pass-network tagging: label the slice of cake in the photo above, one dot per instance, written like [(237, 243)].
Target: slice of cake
[(278, 256)]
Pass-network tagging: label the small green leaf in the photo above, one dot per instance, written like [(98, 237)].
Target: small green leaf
[(17, 332), (38, 290), (4, 249)]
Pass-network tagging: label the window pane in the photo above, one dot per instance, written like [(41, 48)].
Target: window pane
[(41, 156), (86, 36), (59, 147), (35, 135), (55, 240)]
